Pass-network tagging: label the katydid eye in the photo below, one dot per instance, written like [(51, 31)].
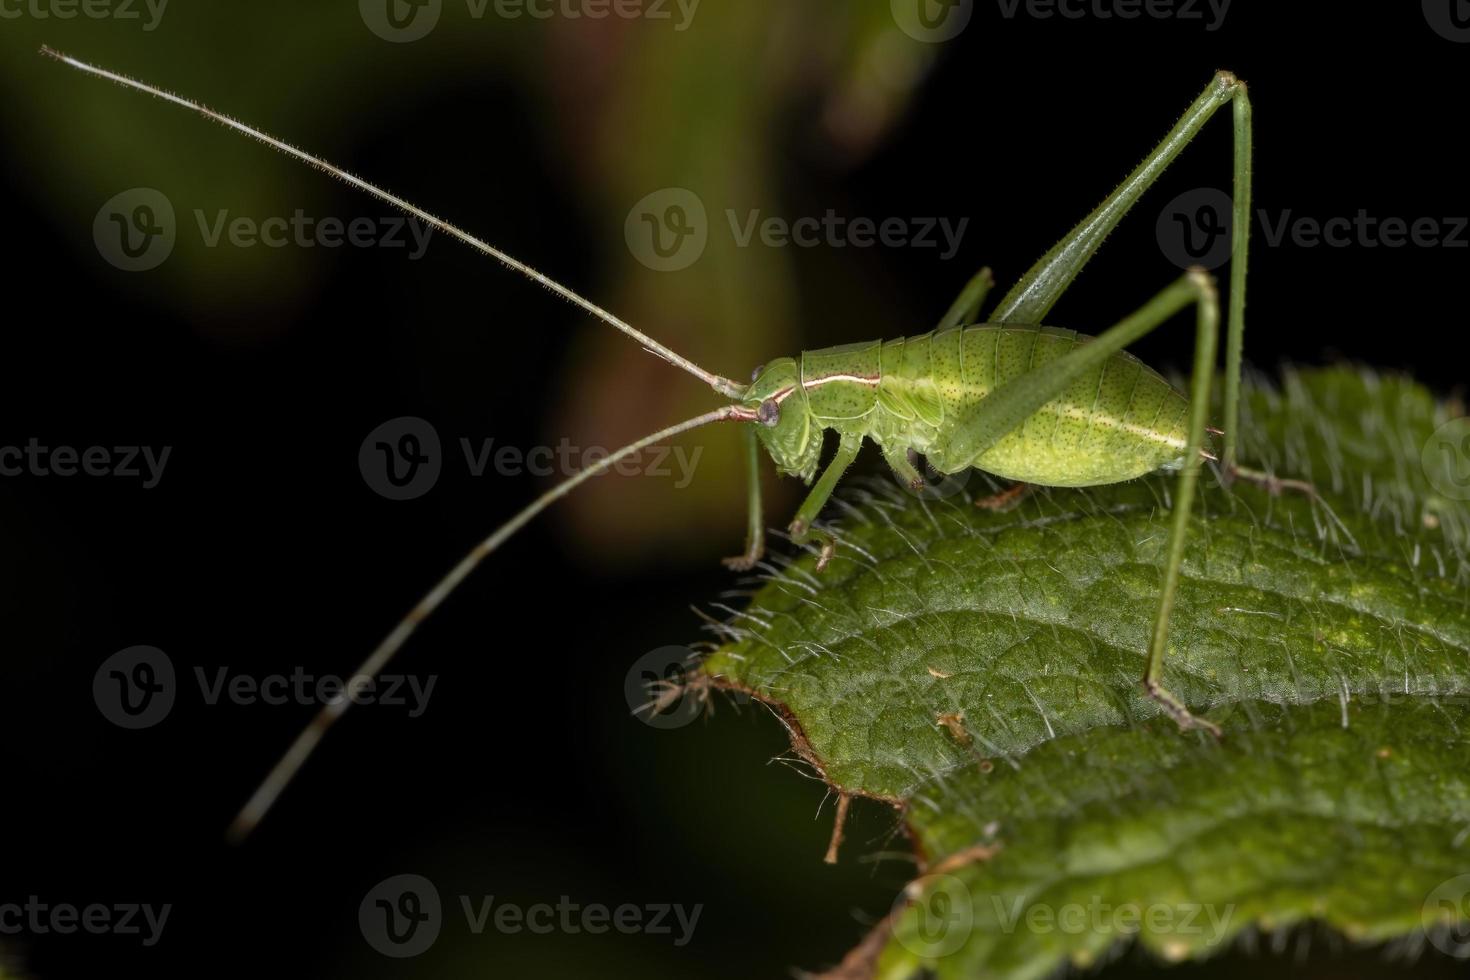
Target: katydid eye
[(769, 413), (756, 374)]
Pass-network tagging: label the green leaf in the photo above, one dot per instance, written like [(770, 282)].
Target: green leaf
[(980, 671)]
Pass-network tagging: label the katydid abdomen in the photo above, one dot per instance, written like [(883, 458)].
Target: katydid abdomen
[(1112, 423)]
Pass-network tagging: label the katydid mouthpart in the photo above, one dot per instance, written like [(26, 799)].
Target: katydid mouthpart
[(1029, 403)]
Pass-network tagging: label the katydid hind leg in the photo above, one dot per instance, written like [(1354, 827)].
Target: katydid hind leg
[(1006, 408), (1029, 301), (1207, 332)]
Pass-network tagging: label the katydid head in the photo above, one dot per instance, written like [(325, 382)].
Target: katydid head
[(784, 423)]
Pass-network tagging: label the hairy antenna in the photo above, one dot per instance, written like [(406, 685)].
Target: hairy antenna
[(300, 750), (720, 384), (285, 770)]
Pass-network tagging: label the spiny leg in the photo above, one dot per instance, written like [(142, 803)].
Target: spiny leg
[(965, 310), (1269, 482), (755, 532), (1040, 288), (1207, 333), (1010, 405), (800, 528)]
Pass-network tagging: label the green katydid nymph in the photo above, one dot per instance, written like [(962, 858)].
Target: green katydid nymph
[(1028, 403)]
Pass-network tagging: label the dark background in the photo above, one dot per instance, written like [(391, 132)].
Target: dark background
[(262, 549)]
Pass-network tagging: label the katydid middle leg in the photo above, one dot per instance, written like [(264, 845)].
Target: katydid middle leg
[(965, 310), (903, 462), (800, 529)]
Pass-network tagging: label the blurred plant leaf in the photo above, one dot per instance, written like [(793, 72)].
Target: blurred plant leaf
[(709, 103), (980, 671), (710, 111)]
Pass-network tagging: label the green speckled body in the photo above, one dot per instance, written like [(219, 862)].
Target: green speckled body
[(1112, 424)]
